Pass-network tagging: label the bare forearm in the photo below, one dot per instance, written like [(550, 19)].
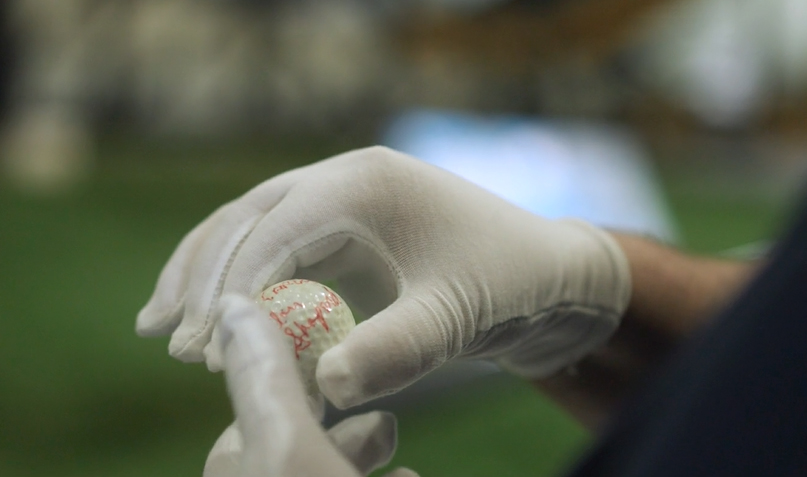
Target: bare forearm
[(672, 295), (676, 293)]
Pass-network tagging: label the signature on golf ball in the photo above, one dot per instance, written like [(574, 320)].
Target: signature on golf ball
[(302, 309)]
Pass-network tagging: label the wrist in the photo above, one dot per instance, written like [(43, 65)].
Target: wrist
[(676, 293)]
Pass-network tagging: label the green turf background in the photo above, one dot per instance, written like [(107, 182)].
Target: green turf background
[(81, 395)]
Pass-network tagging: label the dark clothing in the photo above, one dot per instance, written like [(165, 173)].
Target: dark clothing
[(733, 401)]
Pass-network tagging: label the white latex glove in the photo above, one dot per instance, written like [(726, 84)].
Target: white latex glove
[(277, 435), (442, 267)]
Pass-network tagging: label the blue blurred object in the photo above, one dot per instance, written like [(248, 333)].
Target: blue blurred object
[(598, 173)]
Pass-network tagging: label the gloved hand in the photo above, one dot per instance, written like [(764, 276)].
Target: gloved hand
[(277, 435), (442, 267)]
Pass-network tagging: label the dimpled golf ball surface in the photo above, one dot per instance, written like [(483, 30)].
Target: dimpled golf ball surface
[(313, 318)]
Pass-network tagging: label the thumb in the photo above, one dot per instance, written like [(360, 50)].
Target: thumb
[(280, 434), (391, 350), (368, 441)]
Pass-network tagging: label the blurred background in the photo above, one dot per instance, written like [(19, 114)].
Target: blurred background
[(123, 123)]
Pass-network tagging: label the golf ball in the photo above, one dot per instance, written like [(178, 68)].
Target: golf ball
[(313, 318)]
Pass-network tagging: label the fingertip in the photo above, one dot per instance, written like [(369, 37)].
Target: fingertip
[(185, 349), (154, 320), (386, 430), (232, 310), (191, 342), (402, 472), (212, 352), (234, 304), (381, 425), (248, 344), (337, 380), (366, 440), (387, 420)]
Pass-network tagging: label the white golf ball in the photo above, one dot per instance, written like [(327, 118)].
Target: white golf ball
[(312, 316)]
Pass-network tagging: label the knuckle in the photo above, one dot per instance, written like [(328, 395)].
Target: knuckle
[(380, 156)]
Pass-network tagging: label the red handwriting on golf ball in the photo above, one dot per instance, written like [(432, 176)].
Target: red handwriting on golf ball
[(298, 331), (280, 287)]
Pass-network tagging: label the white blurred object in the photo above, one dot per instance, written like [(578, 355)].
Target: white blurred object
[(327, 57), (46, 149), (202, 67), (793, 37), (555, 169), (191, 65), (723, 59)]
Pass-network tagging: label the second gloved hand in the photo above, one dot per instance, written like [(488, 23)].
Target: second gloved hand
[(277, 434), (442, 267)]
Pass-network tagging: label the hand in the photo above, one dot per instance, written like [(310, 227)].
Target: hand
[(277, 434), (442, 267)]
